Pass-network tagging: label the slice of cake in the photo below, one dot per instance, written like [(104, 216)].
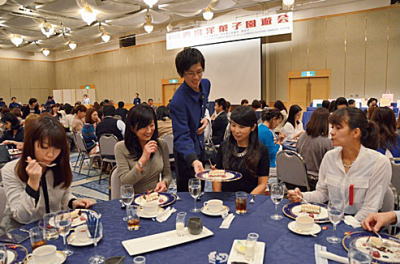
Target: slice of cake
[(216, 173), (310, 208), (151, 197)]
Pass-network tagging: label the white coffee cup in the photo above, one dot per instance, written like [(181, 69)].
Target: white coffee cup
[(150, 208), (304, 223), (214, 205), (46, 254)]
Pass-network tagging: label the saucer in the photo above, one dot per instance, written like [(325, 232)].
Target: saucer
[(81, 242), (224, 209), (143, 214), (314, 230), (61, 257)]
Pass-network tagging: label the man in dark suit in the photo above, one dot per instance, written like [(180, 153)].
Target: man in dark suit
[(219, 121)]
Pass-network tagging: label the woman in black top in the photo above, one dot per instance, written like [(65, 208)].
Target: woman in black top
[(242, 152), (14, 132)]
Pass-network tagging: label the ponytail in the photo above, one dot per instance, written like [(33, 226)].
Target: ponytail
[(369, 137)]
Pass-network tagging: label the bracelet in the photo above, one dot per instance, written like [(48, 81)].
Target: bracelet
[(140, 164)]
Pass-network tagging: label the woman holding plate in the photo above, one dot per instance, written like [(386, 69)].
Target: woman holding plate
[(39, 182), (142, 157), (353, 172), (242, 152)]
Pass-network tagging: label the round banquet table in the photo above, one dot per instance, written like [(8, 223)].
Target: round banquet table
[(282, 246)]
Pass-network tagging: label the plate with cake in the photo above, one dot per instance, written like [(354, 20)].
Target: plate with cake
[(164, 199), (385, 250), (219, 175), (315, 210)]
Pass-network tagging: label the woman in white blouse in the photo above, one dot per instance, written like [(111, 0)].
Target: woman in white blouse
[(352, 172), (293, 127)]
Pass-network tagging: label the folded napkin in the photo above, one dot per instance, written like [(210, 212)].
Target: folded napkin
[(351, 221), (162, 217), (226, 223), (322, 256)]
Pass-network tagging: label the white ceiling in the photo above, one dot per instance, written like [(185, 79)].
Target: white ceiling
[(117, 17)]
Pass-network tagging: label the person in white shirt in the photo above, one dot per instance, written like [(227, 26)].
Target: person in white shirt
[(86, 99), (293, 127), (374, 222), (352, 172)]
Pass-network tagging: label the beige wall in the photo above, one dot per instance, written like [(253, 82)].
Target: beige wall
[(361, 49), (119, 74), (25, 79)]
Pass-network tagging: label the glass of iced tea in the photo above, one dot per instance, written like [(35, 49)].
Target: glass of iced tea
[(133, 219), (241, 202), (36, 235)]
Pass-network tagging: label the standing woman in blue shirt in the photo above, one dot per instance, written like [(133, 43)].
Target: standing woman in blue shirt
[(187, 112)]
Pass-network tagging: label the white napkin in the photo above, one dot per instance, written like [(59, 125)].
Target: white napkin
[(351, 221), (162, 217), (317, 250), (226, 223), (334, 257)]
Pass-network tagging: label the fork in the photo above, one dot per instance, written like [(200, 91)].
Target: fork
[(376, 233), (44, 164)]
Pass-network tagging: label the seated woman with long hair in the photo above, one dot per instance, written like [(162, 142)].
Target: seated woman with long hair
[(313, 144), (32, 188), (293, 127), (141, 157), (14, 132), (89, 131), (353, 172), (389, 140), (242, 152)]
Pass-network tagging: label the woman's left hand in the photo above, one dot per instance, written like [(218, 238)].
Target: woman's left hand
[(83, 203), (161, 187)]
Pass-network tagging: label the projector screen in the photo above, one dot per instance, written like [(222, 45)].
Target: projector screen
[(234, 69)]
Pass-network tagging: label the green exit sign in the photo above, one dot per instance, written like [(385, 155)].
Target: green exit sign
[(173, 81), (307, 73)]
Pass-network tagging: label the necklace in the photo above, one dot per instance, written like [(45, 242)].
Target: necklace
[(348, 166), (241, 154)]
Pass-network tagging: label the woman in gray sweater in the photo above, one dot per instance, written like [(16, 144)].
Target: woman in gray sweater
[(32, 187), (142, 158)]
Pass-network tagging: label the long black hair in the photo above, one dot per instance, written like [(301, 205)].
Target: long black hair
[(294, 109), (280, 105), (139, 116), (244, 116), (384, 116), (355, 118)]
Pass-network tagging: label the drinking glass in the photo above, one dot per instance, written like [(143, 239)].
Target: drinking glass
[(127, 195), (277, 190), (195, 190), (63, 221), (357, 256), (48, 226), (133, 220), (335, 213), (241, 202), (251, 245), (3, 254), (98, 232), (139, 260), (36, 236), (180, 223)]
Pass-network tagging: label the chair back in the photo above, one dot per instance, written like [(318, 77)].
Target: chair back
[(4, 154), (3, 201), (107, 143), (115, 184), (80, 143), (169, 139), (388, 201), (396, 176), (290, 168)]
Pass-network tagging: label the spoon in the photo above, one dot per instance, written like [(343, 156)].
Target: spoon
[(44, 164)]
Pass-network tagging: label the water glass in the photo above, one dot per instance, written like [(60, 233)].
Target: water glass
[(3, 254), (195, 191), (277, 191), (180, 223), (335, 213), (241, 202), (133, 220), (127, 195), (98, 232), (357, 256), (63, 221), (36, 236), (139, 260), (48, 226), (251, 245)]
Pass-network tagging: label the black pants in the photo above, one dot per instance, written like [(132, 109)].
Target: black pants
[(184, 172)]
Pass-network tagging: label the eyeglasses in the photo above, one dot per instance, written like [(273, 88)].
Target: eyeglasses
[(193, 74)]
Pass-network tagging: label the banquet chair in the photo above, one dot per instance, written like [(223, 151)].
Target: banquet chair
[(388, 201), (291, 169), (396, 181), (169, 139), (80, 144), (79, 152), (3, 200), (115, 185), (107, 143)]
